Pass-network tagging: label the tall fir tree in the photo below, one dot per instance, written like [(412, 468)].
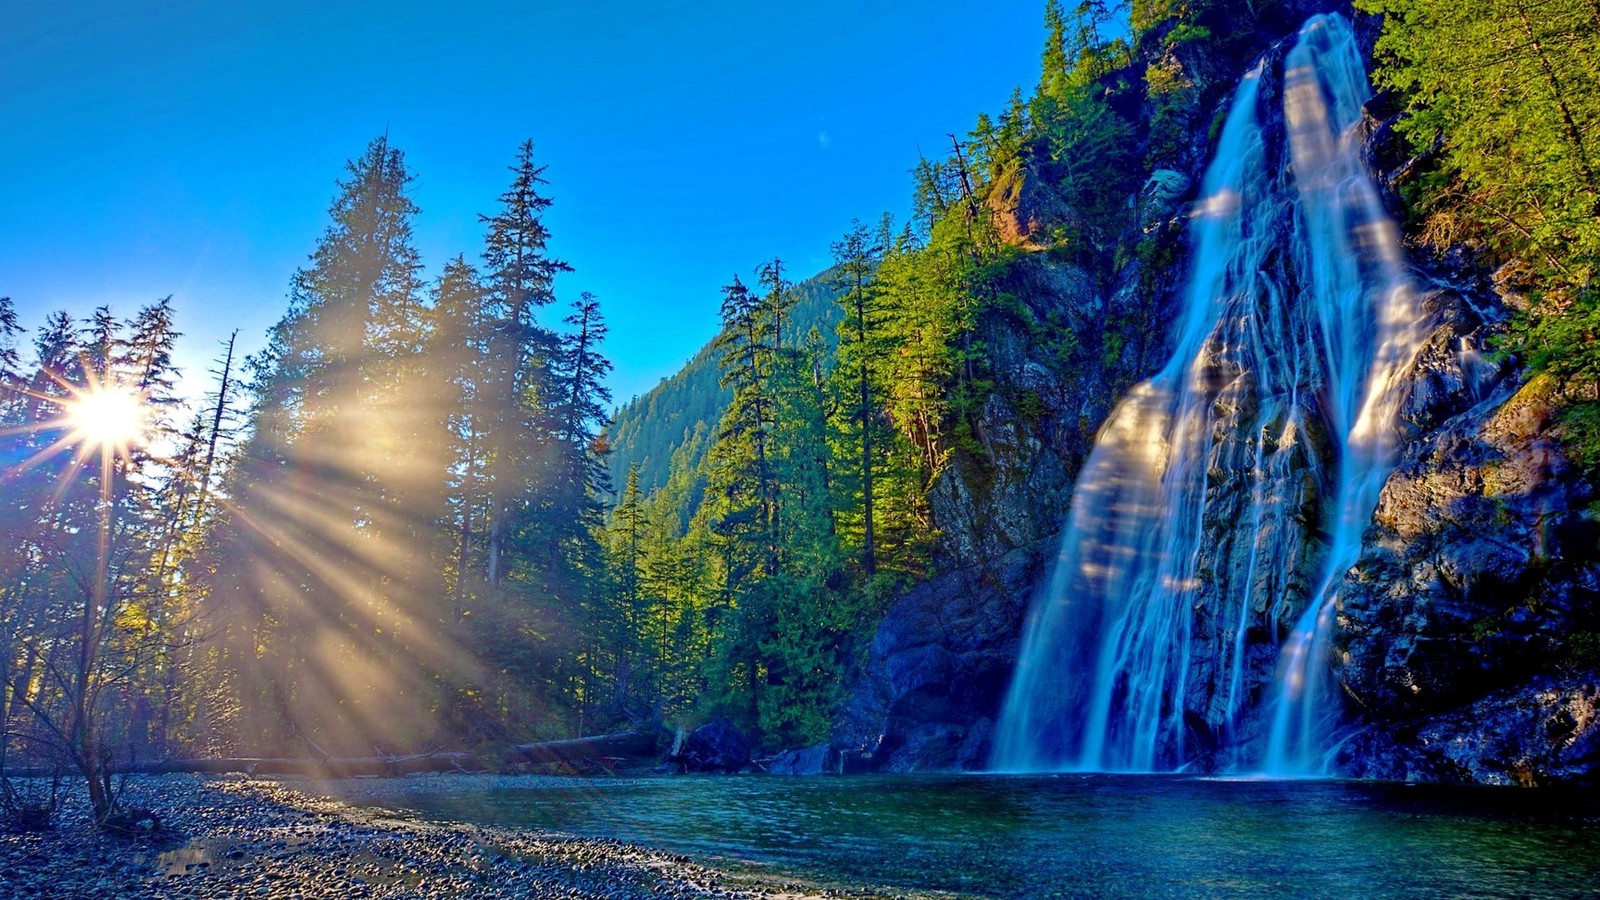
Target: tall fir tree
[(336, 513), (520, 274)]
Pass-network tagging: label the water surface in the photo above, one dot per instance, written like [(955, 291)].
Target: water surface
[(1066, 835)]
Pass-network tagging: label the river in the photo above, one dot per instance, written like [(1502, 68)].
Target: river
[(1063, 835)]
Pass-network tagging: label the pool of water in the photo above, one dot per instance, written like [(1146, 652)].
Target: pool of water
[(1072, 835)]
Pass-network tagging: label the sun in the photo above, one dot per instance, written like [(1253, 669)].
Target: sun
[(108, 417)]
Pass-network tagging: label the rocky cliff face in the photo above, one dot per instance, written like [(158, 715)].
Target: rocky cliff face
[(1467, 627), (1469, 637)]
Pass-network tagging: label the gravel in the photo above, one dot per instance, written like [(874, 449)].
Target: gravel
[(236, 837)]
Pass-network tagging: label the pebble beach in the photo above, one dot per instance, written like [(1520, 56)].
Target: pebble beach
[(236, 837)]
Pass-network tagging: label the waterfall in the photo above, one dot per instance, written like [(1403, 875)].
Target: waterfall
[(1225, 497)]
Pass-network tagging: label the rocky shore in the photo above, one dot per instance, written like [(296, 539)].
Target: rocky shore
[(234, 837)]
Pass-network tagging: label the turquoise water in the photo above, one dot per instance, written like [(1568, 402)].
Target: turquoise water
[(1074, 835)]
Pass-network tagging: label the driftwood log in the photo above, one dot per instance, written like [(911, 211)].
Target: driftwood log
[(577, 754), (585, 754), (333, 767)]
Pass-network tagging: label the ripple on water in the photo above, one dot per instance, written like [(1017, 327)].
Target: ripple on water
[(1027, 836)]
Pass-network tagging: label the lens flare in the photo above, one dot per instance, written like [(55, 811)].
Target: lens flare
[(107, 416)]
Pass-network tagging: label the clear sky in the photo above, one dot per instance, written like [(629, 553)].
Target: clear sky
[(191, 148)]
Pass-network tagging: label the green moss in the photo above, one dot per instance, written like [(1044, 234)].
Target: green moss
[(1486, 627), (1217, 121), (1583, 648), (1111, 347), (1187, 33), (1030, 407)]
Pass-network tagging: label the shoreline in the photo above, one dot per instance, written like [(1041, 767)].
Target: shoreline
[(231, 837)]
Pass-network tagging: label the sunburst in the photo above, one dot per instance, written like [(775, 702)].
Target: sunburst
[(104, 419), (108, 416)]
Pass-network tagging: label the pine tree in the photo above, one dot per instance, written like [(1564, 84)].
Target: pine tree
[(742, 451), (1054, 67), (521, 278), (60, 362), (777, 301), (12, 381), (855, 261), (337, 489), (628, 535), (459, 348), (801, 639), (578, 398)]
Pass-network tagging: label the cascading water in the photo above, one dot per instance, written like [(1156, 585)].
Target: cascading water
[(1230, 490)]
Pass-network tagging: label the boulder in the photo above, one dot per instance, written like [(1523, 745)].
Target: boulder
[(1160, 197), (1544, 732), (717, 746), (816, 760)]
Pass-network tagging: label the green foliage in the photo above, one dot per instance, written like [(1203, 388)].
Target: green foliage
[(1503, 103), (1172, 100), (1145, 16), (1505, 96), (859, 435), (1088, 147), (1187, 33), (1562, 337), (806, 506), (1583, 648), (652, 428)]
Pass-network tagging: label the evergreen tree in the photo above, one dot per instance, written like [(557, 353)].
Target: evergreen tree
[(12, 382), (857, 422), (463, 322), (1503, 109), (628, 535), (521, 279), (742, 470), (803, 650), (336, 492), (578, 400)]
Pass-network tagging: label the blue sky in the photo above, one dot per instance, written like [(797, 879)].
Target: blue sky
[(192, 148)]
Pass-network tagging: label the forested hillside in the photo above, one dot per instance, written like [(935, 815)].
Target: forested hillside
[(933, 436), (648, 430)]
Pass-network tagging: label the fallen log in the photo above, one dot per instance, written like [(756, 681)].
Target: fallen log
[(601, 753), (577, 752), (333, 767)]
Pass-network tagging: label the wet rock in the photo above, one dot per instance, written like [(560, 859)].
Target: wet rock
[(717, 746), (1476, 595), (1544, 732), (1160, 197), (938, 670), (817, 760), (1480, 562)]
